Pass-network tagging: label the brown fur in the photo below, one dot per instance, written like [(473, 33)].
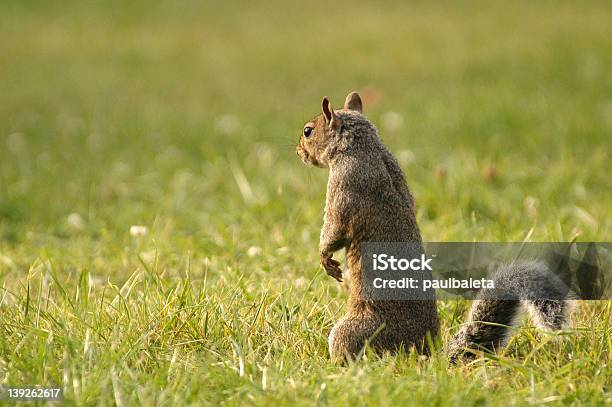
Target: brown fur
[(367, 201)]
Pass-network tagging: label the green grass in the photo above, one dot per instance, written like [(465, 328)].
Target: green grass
[(183, 118)]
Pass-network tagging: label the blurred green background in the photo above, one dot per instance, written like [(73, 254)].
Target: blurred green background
[(182, 117), (151, 113)]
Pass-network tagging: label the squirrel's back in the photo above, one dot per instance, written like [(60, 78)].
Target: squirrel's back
[(366, 175)]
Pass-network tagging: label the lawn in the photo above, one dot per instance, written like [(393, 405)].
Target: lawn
[(159, 235)]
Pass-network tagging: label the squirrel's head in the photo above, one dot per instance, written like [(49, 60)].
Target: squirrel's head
[(321, 135)]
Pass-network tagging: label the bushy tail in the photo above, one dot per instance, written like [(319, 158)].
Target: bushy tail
[(540, 287), (490, 323)]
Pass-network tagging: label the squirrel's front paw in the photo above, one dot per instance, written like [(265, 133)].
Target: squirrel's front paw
[(332, 267)]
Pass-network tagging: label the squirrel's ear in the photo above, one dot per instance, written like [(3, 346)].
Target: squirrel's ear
[(328, 111), (353, 102)]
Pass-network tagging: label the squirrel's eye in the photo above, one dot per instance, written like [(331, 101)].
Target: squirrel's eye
[(307, 131)]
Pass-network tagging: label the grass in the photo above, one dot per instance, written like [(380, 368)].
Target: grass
[(184, 118)]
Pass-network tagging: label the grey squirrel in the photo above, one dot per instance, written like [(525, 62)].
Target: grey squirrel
[(368, 200)]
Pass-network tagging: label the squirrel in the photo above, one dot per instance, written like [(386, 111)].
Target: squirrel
[(368, 200)]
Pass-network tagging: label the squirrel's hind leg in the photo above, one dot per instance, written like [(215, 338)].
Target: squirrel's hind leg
[(350, 335)]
